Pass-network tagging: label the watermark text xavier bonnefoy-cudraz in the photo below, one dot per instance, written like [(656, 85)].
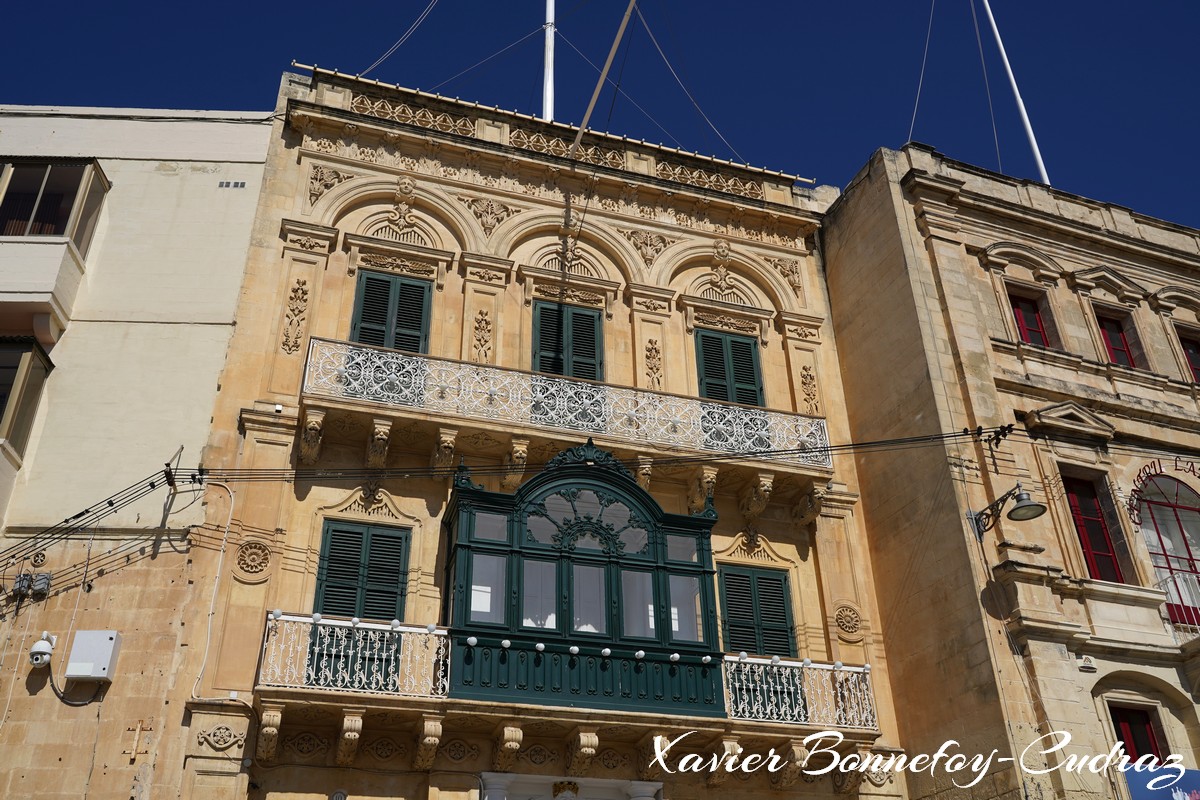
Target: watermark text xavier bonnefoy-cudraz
[(824, 757)]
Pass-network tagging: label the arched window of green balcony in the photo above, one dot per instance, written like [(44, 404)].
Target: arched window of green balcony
[(593, 587)]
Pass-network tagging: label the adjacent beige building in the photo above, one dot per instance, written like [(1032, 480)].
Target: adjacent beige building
[(519, 456), (962, 298), (123, 239)]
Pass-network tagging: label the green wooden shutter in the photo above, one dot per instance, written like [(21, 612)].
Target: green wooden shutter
[(747, 380), (548, 338), (363, 571), (586, 353), (728, 368), (338, 573), (372, 309), (710, 361), (567, 341), (756, 611), (391, 311), (412, 316)]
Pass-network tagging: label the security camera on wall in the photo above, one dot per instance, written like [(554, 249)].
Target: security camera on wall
[(39, 654)]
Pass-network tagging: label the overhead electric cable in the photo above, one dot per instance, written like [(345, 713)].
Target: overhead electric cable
[(685, 89), (622, 92), (921, 82), (533, 32), (412, 28), (987, 86)]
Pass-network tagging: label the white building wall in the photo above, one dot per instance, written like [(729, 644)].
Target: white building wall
[(136, 368)]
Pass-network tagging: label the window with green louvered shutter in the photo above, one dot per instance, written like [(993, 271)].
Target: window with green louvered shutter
[(728, 368), (363, 571), (756, 611), (391, 311), (567, 341)]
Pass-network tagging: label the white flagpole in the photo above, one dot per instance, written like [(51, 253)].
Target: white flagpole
[(548, 69), (1037, 154)]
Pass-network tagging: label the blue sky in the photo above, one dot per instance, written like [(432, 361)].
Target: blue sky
[(807, 88)]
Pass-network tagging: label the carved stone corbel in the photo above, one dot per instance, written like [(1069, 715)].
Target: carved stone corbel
[(728, 748), (268, 732), (508, 744), (582, 749), (806, 511), (310, 436), (443, 450), (648, 768), (753, 502), (347, 747), (514, 463), (702, 486), (797, 756), (644, 470), (377, 445), (428, 741)]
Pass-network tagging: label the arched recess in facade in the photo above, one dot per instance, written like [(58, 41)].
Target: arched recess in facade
[(526, 238), (1041, 265), (353, 204), (769, 289), (1172, 710)]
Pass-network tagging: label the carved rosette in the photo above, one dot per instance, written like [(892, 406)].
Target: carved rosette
[(253, 558), (221, 738)]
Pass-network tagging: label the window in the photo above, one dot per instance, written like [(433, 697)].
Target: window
[(1119, 341), (582, 557), (1028, 314), (24, 367), (1191, 351), (1092, 527), (756, 611), (363, 571), (1169, 510), (391, 311), (567, 341), (61, 198), (1135, 730), (728, 368)]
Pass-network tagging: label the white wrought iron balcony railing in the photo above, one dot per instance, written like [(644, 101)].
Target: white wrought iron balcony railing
[(352, 656), (353, 371), (772, 690), (1183, 604)]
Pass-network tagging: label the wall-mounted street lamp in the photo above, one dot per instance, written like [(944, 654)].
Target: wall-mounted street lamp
[(1024, 509)]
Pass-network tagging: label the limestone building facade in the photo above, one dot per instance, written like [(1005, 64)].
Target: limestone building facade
[(123, 238), (529, 462), (522, 453), (1010, 303)]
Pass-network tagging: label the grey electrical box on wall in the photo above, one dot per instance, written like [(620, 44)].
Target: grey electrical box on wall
[(93, 655)]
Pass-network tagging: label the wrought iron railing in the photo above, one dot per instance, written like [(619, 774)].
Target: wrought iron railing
[(345, 370), (773, 690), (353, 656), (1183, 604)]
